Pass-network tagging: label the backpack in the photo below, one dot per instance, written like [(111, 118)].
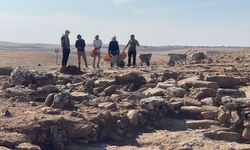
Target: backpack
[(121, 64)]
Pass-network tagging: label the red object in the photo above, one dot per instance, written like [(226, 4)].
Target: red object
[(123, 55), (106, 57), (93, 53)]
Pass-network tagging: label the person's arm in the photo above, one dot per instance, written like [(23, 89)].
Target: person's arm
[(118, 48), (126, 45), (137, 43), (83, 44), (94, 44), (62, 42), (109, 49), (76, 44)]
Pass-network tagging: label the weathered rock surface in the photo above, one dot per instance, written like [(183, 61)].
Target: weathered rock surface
[(133, 116), (201, 93), (154, 92), (41, 93), (27, 146), (176, 92), (198, 124), (6, 71), (63, 101), (224, 135), (88, 86), (44, 79), (234, 93), (12, 139), (17, 91), (135, 80), (71, 70), (21, 76), (223, 81), (153, 103)]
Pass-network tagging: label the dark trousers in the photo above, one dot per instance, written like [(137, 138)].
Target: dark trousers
[(65, 57), (130, 54)]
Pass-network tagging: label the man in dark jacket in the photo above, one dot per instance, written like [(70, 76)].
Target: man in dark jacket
[(114, 51), (65, 44), (80, 46)]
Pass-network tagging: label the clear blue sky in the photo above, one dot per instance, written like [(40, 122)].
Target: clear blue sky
[(154, 22)]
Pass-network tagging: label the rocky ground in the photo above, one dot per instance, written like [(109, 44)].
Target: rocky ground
[(201, 105)]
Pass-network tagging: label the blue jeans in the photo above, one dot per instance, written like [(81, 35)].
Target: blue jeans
[(130, 54), (65, 57)]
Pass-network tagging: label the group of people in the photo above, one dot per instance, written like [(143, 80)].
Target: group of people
[(113, 50)]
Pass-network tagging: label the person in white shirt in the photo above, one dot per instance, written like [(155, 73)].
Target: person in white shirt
[(97, 46)]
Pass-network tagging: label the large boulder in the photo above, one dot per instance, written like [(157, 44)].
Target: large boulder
[(21, 76), (17, 91), (201, 93), (135, 79), (63, 101), (235, 93), (44, 79), (153, 103), (6, 71), (12, 139), (223, 81), (41, 93)]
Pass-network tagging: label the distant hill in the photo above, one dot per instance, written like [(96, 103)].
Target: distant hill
[(50, 47)]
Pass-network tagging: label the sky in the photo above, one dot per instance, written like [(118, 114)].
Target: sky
[(153, 22)]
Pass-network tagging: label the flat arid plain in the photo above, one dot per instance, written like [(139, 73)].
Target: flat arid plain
[(202, 103)]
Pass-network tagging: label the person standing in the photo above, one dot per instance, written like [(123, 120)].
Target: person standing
[(114, 51), (132, 43), (97, 46), (65, 44), (80, 46)]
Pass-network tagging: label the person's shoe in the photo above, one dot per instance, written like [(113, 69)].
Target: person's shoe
[(98, 66), (93, 66)]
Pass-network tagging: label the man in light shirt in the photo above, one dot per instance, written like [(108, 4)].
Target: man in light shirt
[(97, 45)]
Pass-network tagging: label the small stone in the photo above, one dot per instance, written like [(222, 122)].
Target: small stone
[(154, 92), (107, 105), (210, 114), (6, 113), (27, 146), (133, 116)]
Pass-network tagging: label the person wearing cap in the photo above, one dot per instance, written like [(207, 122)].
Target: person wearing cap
[(97, 43), (114, 51), (65, 44), (80, 46), (132, 43)]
